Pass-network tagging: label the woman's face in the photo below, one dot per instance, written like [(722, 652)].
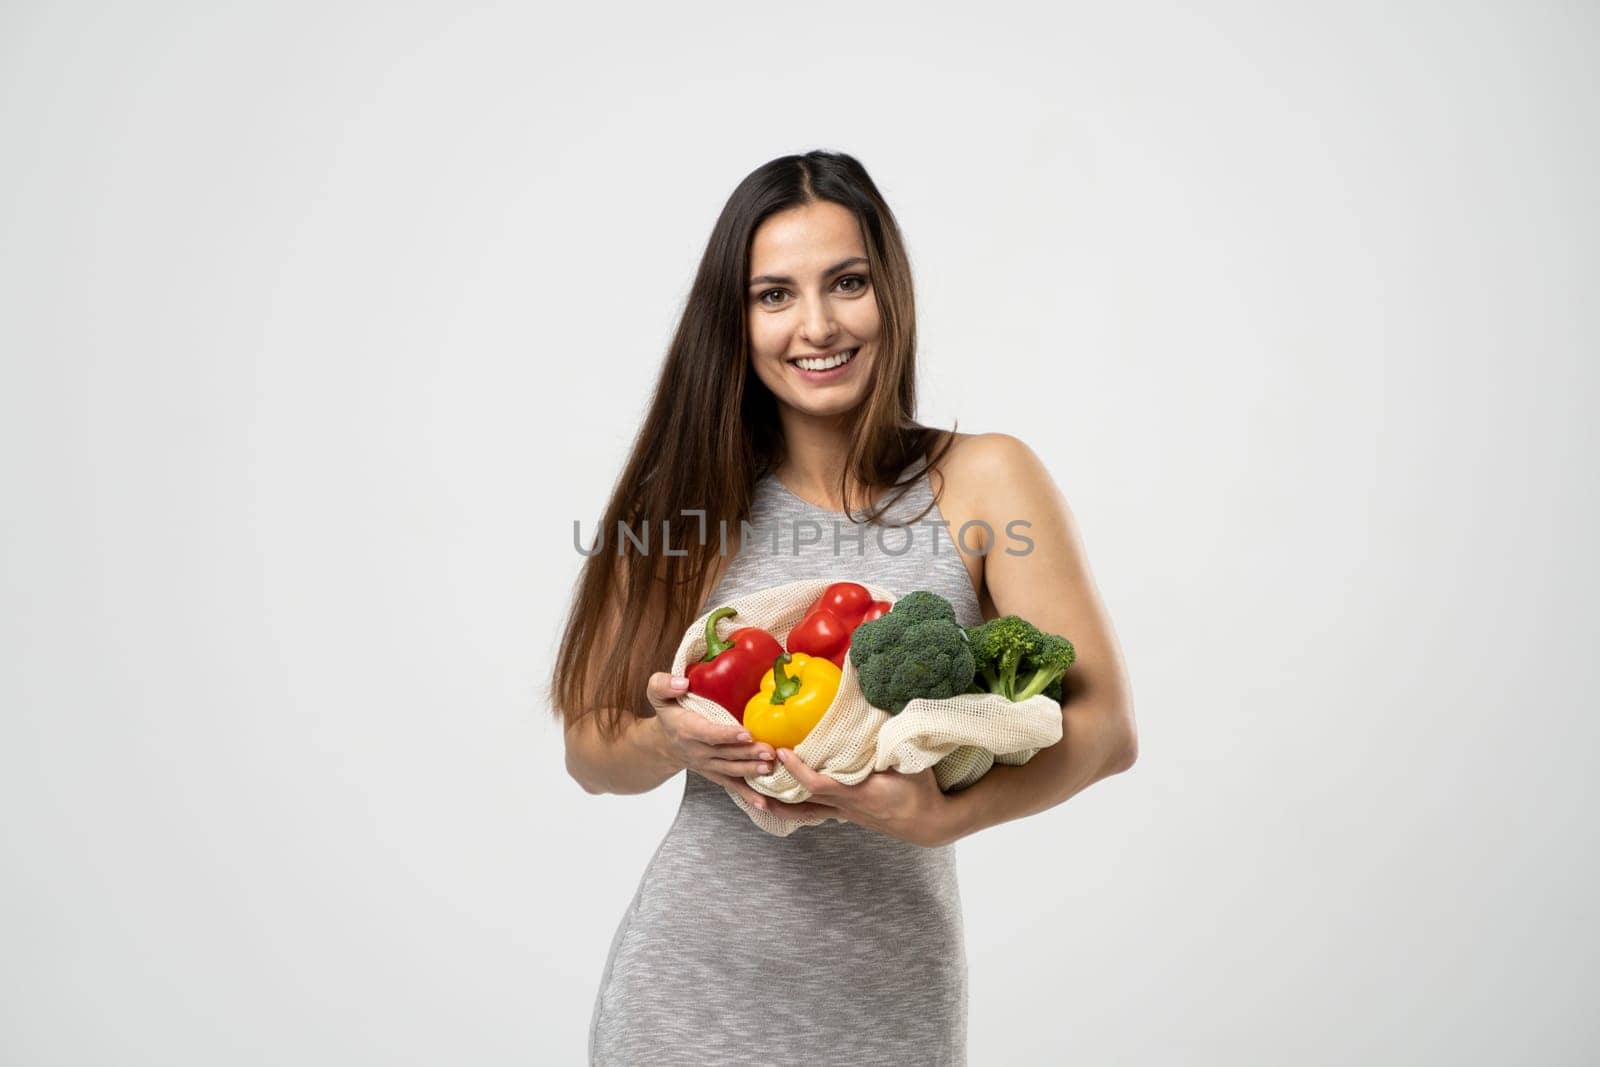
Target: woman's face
[(810, 294)]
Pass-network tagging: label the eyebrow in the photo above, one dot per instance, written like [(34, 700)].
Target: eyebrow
[(780, 279)]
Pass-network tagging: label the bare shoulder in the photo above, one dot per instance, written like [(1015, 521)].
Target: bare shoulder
[(983, 482), (989, 470)]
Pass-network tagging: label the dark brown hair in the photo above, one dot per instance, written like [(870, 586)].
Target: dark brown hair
[(712, 432)]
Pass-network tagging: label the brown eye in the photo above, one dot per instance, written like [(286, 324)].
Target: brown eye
[(856, 278), (763, 297)]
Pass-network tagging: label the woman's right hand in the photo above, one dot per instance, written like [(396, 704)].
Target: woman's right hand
[(723, 753)]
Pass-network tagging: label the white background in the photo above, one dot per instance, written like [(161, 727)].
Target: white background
[(321, 323)]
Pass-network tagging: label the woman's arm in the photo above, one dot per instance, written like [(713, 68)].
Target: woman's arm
[(1092, 747), (636, 762), (1051, 586), (638, 759)]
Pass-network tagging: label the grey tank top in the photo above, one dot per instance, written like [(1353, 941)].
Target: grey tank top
[(869, 926)]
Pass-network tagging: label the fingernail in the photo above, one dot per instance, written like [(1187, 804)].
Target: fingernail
[(679, 682), (745, 737), (762, 804), (766, 768), (783, 754)]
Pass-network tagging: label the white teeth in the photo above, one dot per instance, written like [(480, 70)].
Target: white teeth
[(826, 364)]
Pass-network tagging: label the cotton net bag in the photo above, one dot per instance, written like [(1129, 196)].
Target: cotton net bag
[(960, 737)]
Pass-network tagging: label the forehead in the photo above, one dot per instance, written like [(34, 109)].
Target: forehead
[(805, 239)]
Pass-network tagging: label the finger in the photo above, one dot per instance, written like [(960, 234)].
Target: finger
[(818, 785), (693, 726), (742, 768), (713, 735), (746, 751), (748, 745), (825, 792), (663, 695), (660, 688), (666, 695), (720, 733)]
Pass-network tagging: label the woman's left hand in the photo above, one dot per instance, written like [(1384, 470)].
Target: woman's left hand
[(910, 807)]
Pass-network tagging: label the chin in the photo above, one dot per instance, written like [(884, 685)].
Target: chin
[(828, 408)]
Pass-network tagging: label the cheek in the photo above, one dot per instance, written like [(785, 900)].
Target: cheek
[(764, 338), (865, 323), (763, 360)]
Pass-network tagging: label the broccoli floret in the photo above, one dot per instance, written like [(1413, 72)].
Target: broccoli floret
[(917, 650), (1046, 664), (999, 647), (923, 604), (1016, 659), (872, 637)]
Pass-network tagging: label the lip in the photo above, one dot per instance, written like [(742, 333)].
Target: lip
[(831, 374)]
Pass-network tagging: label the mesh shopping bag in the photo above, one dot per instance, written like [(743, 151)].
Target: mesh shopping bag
[(960, 737)]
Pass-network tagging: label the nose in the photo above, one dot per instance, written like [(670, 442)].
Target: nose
[(818, 327)]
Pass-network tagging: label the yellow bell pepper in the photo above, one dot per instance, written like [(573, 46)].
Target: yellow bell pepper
[(791, 702)]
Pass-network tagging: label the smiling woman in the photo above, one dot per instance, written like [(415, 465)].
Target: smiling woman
[(788, 396), (805, 260), (814, 327), (833, 303)]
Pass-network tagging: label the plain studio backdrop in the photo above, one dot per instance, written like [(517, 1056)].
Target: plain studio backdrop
[(322, 324)]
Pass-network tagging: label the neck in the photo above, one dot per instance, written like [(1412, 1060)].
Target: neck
[(814, 452)]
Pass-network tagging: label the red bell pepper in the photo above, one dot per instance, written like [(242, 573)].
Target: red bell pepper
[(731, 671), (825, 631)]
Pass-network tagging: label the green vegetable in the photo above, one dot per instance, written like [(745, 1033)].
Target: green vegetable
[(922, 605), (1053, 690), (1018, 660), (916, 651)]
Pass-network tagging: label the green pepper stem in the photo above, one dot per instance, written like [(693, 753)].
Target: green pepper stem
[(784, 686), (715, 645)]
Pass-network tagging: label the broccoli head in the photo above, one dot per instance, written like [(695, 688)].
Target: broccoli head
[(1044, 667), (923, 604), (1016, 659), (916, 652), (998, 649)]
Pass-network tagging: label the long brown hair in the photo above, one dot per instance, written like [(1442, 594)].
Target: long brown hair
[(712, 432)]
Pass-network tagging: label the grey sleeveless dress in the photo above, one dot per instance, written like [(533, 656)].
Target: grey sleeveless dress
[(869, 925)]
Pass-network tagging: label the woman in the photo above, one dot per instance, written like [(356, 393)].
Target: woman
[(786, 401)]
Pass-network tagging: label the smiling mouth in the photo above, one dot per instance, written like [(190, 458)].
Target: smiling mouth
[(828, 362)]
